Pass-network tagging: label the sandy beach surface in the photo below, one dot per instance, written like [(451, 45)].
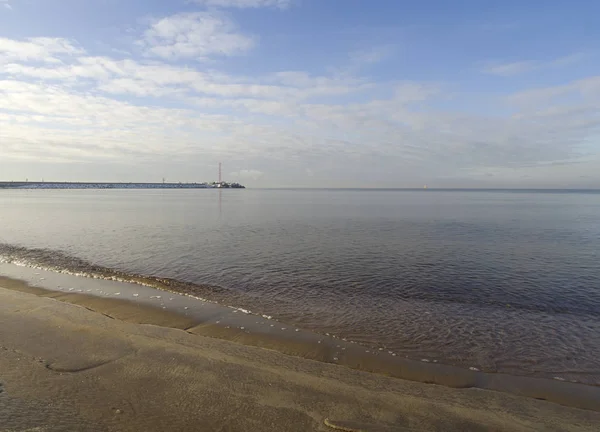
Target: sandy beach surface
[(64, 367)]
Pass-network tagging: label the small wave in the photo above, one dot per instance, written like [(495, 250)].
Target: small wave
[(60, 262)]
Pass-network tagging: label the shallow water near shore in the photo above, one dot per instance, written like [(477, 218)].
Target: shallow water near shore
[(498, 281)]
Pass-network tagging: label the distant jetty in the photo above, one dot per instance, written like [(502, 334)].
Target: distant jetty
[(94, 185)]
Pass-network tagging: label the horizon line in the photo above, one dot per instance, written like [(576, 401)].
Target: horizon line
[(475, 188)]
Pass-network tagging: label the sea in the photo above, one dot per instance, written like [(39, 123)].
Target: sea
[(500, 281)]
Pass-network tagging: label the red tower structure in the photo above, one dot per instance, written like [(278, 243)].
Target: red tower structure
[(220, 180)]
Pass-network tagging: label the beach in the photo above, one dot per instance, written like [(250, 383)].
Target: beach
[(296, 310), (504, 282), (68, 367)]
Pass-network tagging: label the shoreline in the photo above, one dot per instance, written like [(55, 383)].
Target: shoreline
[(68, 368), (461, 353), (207, 319)]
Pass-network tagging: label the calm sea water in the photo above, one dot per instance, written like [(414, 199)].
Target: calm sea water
[(501, 281)]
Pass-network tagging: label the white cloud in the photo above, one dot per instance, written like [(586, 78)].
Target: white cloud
[(40, 120), (63, 72), (542, 98), (371, 55), (158, 79), (59, 104), (36, 49), (245, 4), (569, 59), (510, 69), (195, 35), (135, 87), (521, 67)]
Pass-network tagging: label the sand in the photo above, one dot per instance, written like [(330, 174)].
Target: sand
[(147, 305), (65, 368)]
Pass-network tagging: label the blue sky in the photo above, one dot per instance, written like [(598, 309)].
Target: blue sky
[(303, 93)]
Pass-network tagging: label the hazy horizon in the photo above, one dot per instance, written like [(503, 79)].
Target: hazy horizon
[(408, 188), (302, 93)]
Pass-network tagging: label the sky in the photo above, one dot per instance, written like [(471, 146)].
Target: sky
[(302, 93)]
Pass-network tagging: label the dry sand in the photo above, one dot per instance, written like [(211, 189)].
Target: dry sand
[(66, 368)]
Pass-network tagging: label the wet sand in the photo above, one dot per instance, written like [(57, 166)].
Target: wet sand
[(64, 367), (147, 305)]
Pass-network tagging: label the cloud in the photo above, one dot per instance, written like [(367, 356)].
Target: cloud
[(371, 55), (39, 119), (63, 72), (510, 69), (196, 35), (542, 98), (569, 59), (521, 67), (61, 104), (245, 4), (6, 4), (159, 79), (37, 49), (135, 87)]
